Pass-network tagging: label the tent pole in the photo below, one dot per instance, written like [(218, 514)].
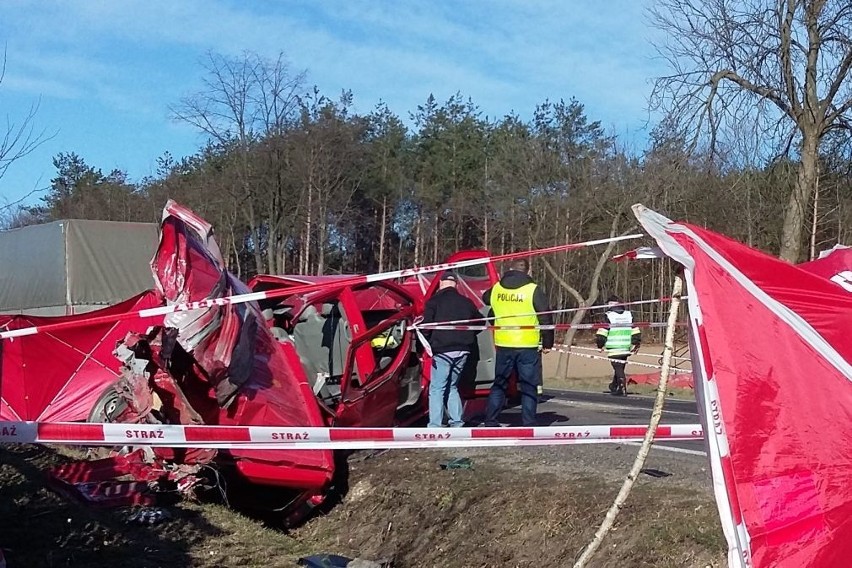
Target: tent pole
[(657, 413)]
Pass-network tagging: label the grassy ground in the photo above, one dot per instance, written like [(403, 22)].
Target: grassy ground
[(510, 510)]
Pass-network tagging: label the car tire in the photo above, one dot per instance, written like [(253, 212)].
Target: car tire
[(108, 405)]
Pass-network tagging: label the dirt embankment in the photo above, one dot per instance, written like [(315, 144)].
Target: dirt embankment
[(517, 508), (584, 367), (534, 507), (589, 370)]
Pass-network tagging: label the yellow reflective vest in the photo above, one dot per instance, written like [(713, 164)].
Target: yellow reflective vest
[(384, 341), (514, 306), (619, 336)]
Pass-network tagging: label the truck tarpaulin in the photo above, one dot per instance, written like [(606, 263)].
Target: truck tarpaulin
[(74, 266)]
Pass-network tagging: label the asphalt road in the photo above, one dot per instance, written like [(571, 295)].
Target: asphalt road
[(684, 464), (581, 408)]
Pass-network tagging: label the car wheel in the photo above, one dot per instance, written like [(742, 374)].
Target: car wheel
[(108, 406)]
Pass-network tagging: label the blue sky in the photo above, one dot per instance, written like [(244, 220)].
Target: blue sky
[(104, 73)]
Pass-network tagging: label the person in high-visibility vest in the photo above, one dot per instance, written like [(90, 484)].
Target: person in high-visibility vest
[(518, 301), (620, 340)]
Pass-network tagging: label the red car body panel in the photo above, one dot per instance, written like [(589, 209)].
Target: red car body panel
[(253, 380), (371, 395), (341, 355), (473, 282)]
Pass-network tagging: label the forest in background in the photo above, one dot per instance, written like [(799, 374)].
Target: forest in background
[(296, 181)]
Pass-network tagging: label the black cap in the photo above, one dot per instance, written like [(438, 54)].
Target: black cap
[(448, 275)]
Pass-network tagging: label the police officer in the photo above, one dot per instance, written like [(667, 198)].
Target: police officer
[(620, 341), (514, 301)]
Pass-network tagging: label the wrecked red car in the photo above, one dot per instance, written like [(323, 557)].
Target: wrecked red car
[(340, 354), (379, 314)]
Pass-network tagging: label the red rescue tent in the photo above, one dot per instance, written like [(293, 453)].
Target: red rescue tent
[(834, 264), (771, 358), (58, 376)]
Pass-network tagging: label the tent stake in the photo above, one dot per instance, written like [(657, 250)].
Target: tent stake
[(657, 413)]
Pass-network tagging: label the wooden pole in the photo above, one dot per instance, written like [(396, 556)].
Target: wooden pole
[(656, 414)]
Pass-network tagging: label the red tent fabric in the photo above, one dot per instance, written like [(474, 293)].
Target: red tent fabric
[(58, 376), (640, 253), (678, 380), (771, 359), (835, 264)]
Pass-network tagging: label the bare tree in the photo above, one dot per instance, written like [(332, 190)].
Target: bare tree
[(585, 302), (787, 61), (246, 100), (18, 140), (243, 98)]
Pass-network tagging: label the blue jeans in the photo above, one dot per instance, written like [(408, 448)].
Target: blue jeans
[(526, 362), (445, 377)]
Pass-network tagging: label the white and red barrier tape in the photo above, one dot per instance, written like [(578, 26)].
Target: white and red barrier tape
[(555, 326), (572, 352), (256, 296), (638, 354), (270, 437), (559, 311)]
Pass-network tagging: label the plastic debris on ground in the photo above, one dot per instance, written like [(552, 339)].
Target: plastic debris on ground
[(457, 463), (336, 561), (149, 516), (655, 472)]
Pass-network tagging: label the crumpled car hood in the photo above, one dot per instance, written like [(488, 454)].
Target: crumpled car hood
[(189, 267)]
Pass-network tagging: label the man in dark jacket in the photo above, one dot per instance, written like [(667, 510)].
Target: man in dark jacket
[(518, 301), (450, 349)]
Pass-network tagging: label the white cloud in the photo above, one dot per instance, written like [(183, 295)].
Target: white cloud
[(37, 87), (503, 54)]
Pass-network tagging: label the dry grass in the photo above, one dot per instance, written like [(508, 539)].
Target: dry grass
[(400, 506), (38, 528), (495, 517), (601, 384), (595, 374)]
